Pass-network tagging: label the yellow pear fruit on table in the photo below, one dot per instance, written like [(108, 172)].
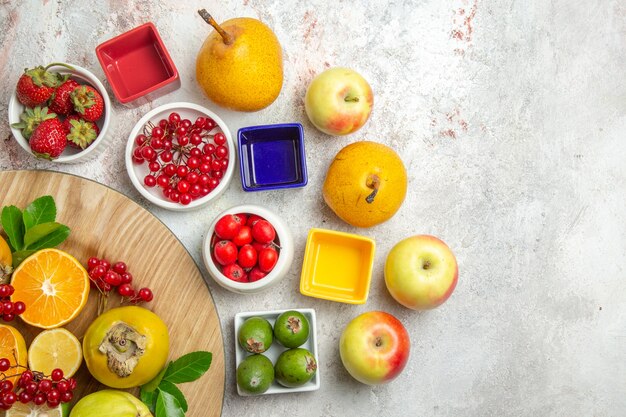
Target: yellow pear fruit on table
[(240, 64), (365, 184)]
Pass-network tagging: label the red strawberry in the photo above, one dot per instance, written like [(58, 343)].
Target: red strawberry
[(31, 118), (87, 102), (61, 102), (36, 86), (49, 139), (81, 132)]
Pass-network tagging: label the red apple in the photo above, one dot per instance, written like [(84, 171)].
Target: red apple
[(374, 347), (339, 101), (421, 272)]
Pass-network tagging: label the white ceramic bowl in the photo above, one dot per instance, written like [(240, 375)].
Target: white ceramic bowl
[(71, 155), (137, 172), (285, 256), (276, 349)]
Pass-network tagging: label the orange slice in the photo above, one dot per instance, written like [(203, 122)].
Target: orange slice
[(53, 285), (55, 348), (12, 347)]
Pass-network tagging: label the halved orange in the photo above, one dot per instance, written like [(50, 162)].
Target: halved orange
[(12, 347), (53, 285)]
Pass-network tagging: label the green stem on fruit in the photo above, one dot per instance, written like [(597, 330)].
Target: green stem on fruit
[(353, 99), (373, 182), (227, 37)]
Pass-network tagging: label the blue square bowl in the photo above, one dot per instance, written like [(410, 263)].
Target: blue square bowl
[(272, 157)]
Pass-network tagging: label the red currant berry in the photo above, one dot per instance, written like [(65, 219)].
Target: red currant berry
[(210, 124), (218, 174), (194, 190), (186, 123), (195, 139), (127, 278), (163, 180), (224, 163), (204, 179), (54, 403), (182, 171), (44, 385), (8, 307), (140, 139), (149, 181), (154, 166), (208, 149), (169, 170), (166, 156), (120, 267), (39, 399), (9, 398), (19, 308), (146, 294), (92, 262), (31, 388), (219, 138), (182, 139), (214, 183), (174, 118), (66, 396), (185, 199), (105, 264), (182, 187), (4, 365), (6, 385), (113, 278), (192, 177), (157, 143), (56, 375), (97, 272), (204, 191), (63, 386), (221, 151), (200, 122), (8, 316), (193, 162), (158, 132), (216, 165), (4, 291), (163, 124), (148, 153), (72, 383), (167, 144), (204, 168), (125, 290), (25, 397)]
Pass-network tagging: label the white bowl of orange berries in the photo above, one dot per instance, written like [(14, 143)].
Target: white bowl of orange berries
[(247, 249), (180, 156)]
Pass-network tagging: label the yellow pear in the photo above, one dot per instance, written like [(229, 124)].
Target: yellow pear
[(365, 184), (240, 64)]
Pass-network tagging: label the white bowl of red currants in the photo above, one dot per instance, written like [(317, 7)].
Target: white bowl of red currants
[(180, 156), (247, 249)]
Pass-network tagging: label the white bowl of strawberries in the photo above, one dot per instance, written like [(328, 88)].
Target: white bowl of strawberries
[(247, 249), (61, 112)]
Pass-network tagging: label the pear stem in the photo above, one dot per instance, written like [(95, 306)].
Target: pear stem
[(354, 99), (226, 37), (373, 182)]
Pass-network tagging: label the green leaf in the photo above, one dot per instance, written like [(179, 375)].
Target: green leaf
[(52, 240), (154, 384), (167, 406), (13, 226), (188, 367), (39, 231), (20, 255), (42, 210), (172, 389), (149, 398)]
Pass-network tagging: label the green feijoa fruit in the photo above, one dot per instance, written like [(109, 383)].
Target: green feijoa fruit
[(295, 367), (255, 374), (255, 335), (291, 329)]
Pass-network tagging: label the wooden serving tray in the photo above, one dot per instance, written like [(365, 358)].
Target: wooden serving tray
[(105, 223)]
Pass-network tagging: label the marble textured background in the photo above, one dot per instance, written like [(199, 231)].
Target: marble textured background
[(510, 117)]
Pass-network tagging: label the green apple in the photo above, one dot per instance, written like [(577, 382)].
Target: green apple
[(421, 272), (374, 347), (339, 101)]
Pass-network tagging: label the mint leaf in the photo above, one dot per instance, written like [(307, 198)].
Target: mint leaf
[(39, 231), (42, 210), (51, 240), (13, 226), (172, 389), (167, 406), (188, 367), (20, 255), (149, 398)]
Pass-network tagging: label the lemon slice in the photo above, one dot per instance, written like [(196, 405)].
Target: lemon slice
[(32, 410), (55, 348)]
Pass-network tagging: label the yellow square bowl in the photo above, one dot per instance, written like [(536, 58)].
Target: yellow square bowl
[(337, 266)]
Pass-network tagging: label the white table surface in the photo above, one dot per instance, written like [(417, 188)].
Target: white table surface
[(510, 117)]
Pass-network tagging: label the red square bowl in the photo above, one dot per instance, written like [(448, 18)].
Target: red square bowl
[(138, 66)]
